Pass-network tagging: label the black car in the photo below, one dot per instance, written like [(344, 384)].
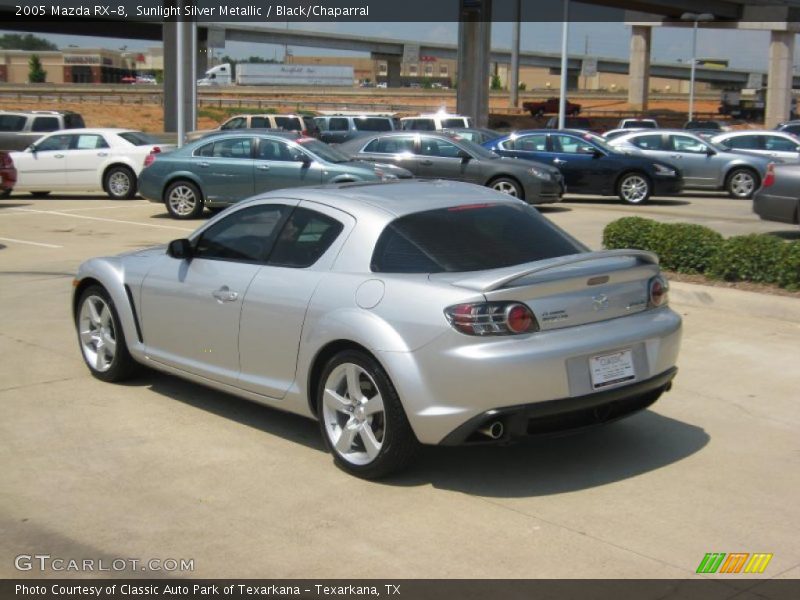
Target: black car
[(437, 155), (778, 199), (590, 166)]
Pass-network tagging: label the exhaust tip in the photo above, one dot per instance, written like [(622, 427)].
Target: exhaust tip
[(493, 430)]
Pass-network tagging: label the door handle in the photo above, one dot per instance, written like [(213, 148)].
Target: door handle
[(224, 294), (558, 161), (102, 154), (263, 167), (426, 163), (675, 156), (58, 155), (204, 164)]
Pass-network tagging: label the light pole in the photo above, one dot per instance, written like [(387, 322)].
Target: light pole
[(696, 18), (562, 101)]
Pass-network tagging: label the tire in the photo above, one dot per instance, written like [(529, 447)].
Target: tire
[(741, 183), (368, 438), (40, 194), (634, 188), (183, 200), (506, 185), (120, 183), (101, 338), (215, 210), (5, 194)]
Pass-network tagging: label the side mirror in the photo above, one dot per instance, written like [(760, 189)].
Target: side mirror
[(302, 158), (464, 156), (31, 148), (180, 249), (710, 151)]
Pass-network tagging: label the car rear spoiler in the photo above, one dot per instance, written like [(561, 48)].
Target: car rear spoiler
[(489, 281)]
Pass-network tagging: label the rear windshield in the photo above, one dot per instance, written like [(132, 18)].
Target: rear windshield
[(137, 138), (73, 121), (373, 124), (289, 123), (469, 238), (12, 122)]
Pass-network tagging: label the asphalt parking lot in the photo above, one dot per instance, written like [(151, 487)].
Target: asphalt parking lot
[(161, 468)]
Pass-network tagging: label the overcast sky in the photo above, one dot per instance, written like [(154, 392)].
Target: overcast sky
[(744, 49)]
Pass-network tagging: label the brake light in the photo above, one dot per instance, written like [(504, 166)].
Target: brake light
[(468, 207), (659, 292), (769, 179), (6, 162), (150, 158), (491, 318)]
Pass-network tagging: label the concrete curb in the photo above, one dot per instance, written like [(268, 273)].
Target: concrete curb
[(768, 306)]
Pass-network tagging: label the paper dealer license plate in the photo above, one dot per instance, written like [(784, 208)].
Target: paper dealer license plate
[(611, 369)]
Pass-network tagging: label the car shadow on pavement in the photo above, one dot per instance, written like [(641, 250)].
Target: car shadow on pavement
[(552, 209), (13, 205), (269, 420), (537, 467), (540, 467), (611, 200), (790, 234)]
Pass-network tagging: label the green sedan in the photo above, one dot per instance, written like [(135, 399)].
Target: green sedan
[(220, 170)]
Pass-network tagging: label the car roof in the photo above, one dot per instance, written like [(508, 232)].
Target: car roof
[(753, 132), (397, 198), (436, 115), (93, 130), (290, 135)]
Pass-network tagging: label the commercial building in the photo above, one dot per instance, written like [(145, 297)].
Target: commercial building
[(73, 65)]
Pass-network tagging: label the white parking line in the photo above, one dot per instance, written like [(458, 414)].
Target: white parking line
[(3, 239), (107, 220)]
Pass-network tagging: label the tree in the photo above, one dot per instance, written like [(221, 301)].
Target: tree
[(35, 72), (496, 83), (14, 41)]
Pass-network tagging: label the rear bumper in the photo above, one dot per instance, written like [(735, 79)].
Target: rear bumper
[(782, 209), (564, 415)]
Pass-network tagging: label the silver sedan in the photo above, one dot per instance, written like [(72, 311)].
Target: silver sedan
[(704, 165), (769, 144), (395, 314)]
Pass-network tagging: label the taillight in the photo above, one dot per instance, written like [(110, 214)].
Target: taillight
[(769, 179), (6, 162), (492, 318), (659, 292), (148, 160)]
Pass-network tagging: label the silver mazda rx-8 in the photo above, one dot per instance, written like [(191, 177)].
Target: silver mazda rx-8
[(396, 314)]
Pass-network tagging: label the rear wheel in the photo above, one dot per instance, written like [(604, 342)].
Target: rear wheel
[(40, 194), (506, 185), (120, 183), (183, 200), (634, 188), (361, 418), (101, 338), (741, 183)]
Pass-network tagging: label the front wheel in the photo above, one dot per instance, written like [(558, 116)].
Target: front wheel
[(741, 184), (506, 185), (101, 338), (361, 418), (120, 183), (38, 194), (184, 200), (634, 188)]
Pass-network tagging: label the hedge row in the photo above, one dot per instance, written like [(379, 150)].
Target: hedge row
[(689, 248)]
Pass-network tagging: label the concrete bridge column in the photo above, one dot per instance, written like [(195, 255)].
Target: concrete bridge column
[(474, 52), (639, 79), (172, 54), (779, 82)]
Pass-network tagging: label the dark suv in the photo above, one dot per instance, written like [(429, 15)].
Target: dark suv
[(20, 128)]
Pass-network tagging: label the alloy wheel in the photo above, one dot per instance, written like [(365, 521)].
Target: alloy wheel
[(182, 200), (505, 187), (353, 413), (119, 184), (634, 189), (97, 334), (742, 184)]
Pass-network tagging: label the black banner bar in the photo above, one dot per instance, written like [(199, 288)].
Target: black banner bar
[(718, 588)]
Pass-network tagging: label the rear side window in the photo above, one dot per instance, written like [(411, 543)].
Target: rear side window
[(304, 239), (469, 238), (12, 122), (528, 143), (649, 142), (420, 125), (137, 138), (391, 145), (232, 148), (373, 124), (45, 124), (90, 142), (73, 121), (779, 144), (744, 142), (451, 123), (289, 123), (259, 122)]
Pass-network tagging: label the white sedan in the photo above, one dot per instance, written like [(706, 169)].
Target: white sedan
[(769, 143), (85, 160)]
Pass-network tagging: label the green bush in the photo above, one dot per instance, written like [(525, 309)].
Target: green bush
[(754, 257), (629, 232), (683, 247), (688, 248)]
